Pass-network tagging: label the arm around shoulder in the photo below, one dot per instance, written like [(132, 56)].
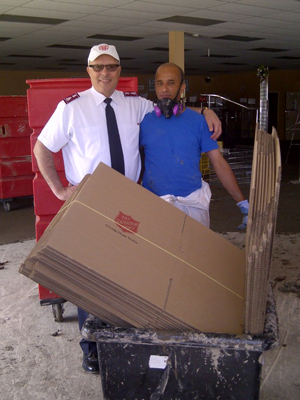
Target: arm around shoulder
[(212, 120)]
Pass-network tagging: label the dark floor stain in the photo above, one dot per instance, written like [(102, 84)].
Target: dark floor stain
[(278, 279), (286, 262), (291, 287)]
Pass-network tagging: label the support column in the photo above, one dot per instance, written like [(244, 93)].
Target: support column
[(176, 48)]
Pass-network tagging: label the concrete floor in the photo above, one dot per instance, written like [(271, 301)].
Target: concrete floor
[(41, 358)]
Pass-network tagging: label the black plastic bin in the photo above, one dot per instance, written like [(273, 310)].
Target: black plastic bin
[(152, 365)]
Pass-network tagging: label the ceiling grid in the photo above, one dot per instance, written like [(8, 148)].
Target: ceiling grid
[(220, 36)]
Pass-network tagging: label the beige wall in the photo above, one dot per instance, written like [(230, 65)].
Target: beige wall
[(14, 82), (233, 86)]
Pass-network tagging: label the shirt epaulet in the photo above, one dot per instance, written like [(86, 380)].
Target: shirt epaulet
[(72, 97), (131, 94)]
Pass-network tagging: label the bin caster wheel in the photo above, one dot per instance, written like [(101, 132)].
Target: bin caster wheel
[(6, 206), (58, 311)]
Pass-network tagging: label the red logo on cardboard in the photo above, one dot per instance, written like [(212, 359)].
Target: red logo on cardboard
[(127, 223), (103, 47)]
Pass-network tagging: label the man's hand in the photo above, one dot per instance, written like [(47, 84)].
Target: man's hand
[(65, 192), (244, 207), (213, 122)]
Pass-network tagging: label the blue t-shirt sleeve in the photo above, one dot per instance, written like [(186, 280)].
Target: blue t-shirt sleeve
[(207, 143)]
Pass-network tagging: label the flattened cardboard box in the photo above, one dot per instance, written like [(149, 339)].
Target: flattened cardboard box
[(147, 259)]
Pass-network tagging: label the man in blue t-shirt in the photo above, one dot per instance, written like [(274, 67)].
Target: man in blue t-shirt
[(173, 138)]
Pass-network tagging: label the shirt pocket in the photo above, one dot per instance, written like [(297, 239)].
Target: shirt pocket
[(129, 135), (92, 141)]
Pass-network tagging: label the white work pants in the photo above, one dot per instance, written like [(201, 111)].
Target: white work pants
[(196, 204)]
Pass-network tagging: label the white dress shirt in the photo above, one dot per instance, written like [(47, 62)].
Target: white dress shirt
[(79, 128)]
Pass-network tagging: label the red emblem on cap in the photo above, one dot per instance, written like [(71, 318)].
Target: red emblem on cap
[(127, 223), (103, 47)]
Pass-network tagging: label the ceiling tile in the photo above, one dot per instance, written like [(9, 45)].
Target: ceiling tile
[(276, 23)]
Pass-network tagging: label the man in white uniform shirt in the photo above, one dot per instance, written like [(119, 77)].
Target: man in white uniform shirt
[(78, 127)]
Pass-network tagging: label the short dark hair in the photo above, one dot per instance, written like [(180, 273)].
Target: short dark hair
[(174, 65)]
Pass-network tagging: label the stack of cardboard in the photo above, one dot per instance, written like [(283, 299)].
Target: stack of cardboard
[(132, 259), (264, 196)]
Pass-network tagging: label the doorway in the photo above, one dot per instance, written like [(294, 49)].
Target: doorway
[(273, 111)]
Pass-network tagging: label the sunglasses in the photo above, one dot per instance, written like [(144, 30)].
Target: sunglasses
[(109, 67)]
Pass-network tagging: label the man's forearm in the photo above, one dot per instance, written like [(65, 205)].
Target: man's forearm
[(225, 175), (47, 168), (229, 182)]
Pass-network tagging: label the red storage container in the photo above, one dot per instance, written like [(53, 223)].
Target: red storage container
[(15, 187), (45, 202), (15, 154), (15, 146), (15, 166), (41, 224), (42, 98)]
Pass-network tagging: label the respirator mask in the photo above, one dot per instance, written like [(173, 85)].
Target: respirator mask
[(167, 107)]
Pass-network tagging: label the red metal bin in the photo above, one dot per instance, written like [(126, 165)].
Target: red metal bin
[(43, 97), (16, 174)]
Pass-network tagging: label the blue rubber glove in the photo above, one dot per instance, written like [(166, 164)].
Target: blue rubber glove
[(244, 207)]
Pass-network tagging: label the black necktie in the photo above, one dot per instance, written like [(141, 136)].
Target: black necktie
[(116, 152)]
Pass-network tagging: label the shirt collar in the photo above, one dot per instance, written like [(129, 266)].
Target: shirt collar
[(99, 97)]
